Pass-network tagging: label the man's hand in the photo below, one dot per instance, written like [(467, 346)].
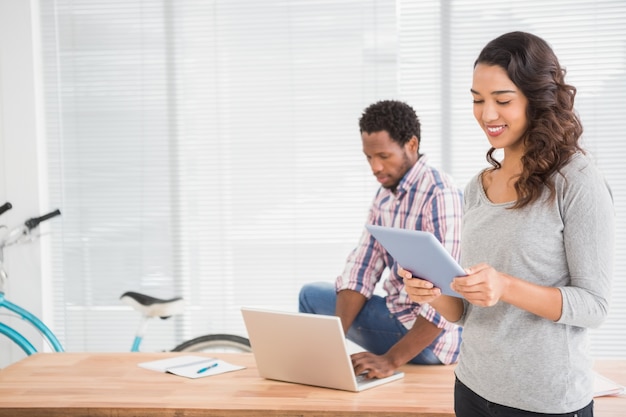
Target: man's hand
[(422, 334), (376, 366)]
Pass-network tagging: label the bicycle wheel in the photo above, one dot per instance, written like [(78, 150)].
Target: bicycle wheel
[(215, 343)]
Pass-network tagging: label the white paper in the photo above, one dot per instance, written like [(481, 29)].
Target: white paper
[(603, 386), (191, 366)]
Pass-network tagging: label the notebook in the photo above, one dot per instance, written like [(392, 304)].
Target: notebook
[(420, 253), (304, 348)]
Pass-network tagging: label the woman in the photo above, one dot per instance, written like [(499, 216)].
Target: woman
[(538, 239)]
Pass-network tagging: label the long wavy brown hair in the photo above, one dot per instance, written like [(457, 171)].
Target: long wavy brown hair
[(554, 127)]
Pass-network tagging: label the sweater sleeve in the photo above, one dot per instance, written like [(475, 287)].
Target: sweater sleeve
[(588, 234)]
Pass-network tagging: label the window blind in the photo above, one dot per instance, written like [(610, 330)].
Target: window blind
[(210, 149), (439, 42), (206, 149)]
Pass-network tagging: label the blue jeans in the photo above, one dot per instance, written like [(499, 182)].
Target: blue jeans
[(374, 328)]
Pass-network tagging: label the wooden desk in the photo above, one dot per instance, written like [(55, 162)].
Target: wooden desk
[(111, 384)]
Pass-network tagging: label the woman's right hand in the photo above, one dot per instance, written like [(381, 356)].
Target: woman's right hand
[(419, 290)]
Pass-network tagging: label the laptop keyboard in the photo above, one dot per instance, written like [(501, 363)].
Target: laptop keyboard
[(361, 378)]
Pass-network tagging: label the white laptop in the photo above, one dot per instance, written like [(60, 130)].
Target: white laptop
[(305, 349)]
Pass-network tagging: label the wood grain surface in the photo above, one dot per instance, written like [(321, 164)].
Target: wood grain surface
[(112, 385)]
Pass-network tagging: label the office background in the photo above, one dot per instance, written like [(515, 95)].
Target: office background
[(210, 149)]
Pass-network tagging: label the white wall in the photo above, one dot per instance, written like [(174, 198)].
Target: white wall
[(20, 136)]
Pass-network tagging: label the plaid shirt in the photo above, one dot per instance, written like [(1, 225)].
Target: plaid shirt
[(425, 199)]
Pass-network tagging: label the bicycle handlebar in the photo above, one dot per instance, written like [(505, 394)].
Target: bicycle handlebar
[(5, 207), (34, 222)]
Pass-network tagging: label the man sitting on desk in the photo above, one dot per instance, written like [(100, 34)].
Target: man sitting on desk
[(413, 195)]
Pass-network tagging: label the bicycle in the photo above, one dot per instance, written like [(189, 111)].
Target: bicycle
[(149, 307), (152, 307)]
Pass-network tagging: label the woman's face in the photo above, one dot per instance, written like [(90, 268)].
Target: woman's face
[(499, 107)]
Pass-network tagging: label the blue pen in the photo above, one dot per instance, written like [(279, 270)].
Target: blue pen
[(206, 368)]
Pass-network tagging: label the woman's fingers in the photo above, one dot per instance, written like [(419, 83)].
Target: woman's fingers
[(420, 291)]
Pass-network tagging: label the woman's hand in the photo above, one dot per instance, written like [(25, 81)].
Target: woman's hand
[(482, 286), (422, 291), (419, 290)]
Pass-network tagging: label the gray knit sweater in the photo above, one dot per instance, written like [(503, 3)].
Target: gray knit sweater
[(512, 357)]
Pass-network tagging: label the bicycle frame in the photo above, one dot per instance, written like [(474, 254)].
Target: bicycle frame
[(165, 308), (139, 334), (17, 337), (22, 234)]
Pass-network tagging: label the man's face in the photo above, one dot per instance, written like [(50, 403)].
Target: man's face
[(388, 159)]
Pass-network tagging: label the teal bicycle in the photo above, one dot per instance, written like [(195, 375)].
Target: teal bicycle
[(149, 307)]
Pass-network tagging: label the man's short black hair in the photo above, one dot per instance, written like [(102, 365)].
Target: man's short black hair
[(396, 117)]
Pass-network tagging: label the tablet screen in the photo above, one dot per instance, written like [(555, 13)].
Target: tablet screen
[(420, 253)]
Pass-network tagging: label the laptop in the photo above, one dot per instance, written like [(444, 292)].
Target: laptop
[(420, 253), (305, 349)]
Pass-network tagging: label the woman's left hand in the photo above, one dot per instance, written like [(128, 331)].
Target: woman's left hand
[(482, 286)]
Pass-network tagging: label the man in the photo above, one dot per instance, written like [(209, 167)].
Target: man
[(393, 330)]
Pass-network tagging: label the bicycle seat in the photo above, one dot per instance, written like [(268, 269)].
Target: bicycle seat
[(153, 307)]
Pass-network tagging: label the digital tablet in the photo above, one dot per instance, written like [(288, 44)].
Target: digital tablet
[(420, 253)]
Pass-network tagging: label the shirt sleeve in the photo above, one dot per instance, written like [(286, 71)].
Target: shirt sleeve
[(588, 233), (469, 192), (444, 219), (365, 264)]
